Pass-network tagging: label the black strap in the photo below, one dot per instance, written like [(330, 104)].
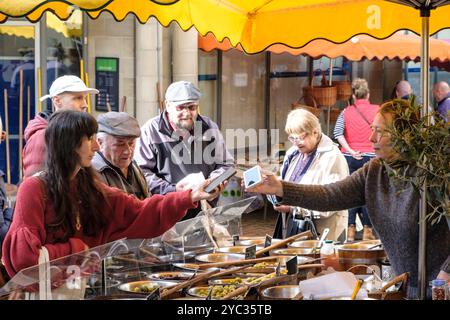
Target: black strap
[(360, 113)]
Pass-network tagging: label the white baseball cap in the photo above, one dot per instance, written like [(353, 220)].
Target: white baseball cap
[(67, 84)]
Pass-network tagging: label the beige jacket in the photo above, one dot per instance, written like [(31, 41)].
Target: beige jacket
[(328, 165)]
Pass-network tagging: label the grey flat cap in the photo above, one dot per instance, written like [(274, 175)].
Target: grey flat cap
[(181, 92), (118, 124)]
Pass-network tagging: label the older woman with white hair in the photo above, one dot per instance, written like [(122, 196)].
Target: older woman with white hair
[(313, 159)]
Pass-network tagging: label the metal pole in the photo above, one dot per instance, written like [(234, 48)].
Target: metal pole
[(424, 85), (267, 103)]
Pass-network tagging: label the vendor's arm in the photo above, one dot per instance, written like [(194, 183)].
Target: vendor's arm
[(27, 233), (341, 195)]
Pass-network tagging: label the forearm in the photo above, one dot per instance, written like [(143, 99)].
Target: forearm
[(343, 142), (331, 197)]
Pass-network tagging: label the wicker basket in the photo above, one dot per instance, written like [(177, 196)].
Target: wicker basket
[(344, 90), (323, 95), (314, 110)]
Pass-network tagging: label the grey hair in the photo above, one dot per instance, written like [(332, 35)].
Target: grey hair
[(302, 121), (360, 88)]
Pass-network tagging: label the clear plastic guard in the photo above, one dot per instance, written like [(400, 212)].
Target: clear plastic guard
[(92, 272), (67, 272), (209, 229)]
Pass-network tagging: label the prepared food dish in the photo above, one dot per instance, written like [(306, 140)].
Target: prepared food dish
[(266, 264), (171, 275), (254, 280), (145, 288), (236, 280), (217, 291)]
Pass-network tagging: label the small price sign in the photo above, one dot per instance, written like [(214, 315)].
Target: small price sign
[(267, 243), (235, 239), (250, 252), (291, 266), (155, 295)]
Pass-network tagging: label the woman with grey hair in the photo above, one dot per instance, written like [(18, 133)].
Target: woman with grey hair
[(353, 132), (313, 159)]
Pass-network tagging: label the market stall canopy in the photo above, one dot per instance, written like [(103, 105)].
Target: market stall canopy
[(398, 46), (69, 28), (255, 24)]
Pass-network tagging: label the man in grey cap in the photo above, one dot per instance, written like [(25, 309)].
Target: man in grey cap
[(117, 133), (179, 142)]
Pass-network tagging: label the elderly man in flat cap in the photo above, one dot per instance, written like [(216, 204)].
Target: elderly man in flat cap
[(180, 142), (117, 134)]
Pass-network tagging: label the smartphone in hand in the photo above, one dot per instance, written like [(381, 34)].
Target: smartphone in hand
[(252, 177), (221, 178)]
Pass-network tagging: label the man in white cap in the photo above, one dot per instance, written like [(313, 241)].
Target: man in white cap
[(180, 142), (117, 134), (67, 93)]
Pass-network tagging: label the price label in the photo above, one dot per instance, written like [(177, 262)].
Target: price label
[(267, 243), (250, 252), (155, 295), (235, 238), (291, 266)]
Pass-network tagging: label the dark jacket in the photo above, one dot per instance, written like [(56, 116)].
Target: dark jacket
[(113, 177), (166, 158)]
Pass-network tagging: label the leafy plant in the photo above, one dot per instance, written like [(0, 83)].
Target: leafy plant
[(423, 145)]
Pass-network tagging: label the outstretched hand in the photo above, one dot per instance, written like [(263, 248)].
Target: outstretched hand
[(271, 185), (200, 193)]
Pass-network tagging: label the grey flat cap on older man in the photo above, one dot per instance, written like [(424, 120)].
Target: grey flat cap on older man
[(117, 133)]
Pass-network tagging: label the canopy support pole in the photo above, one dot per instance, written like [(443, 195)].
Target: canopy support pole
[(424, 85)]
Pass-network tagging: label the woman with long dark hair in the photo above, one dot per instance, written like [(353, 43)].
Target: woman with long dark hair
[(67, 208)]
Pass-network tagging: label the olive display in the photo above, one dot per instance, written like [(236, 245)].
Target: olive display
[(145, 288), (217, 291)]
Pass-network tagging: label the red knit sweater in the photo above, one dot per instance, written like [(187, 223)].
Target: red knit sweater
[(126, 217)]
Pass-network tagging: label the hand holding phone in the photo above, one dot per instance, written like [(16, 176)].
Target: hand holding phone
[(252, 177), (255, 180), (221, 178)]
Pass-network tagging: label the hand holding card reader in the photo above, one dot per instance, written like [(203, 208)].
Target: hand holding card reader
[(221, 178), (252, 177)]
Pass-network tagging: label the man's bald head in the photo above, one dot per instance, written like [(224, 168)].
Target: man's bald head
[(441, 90), (403, 89)]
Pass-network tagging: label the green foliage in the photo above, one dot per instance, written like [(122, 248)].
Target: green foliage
[(424, 156)]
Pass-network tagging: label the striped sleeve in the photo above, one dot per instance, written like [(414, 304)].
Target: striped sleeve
[(339, 127)]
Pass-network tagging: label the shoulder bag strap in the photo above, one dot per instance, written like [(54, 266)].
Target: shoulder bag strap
[(361, 114)]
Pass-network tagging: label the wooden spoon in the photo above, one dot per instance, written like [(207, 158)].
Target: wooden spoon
[(284, 242)]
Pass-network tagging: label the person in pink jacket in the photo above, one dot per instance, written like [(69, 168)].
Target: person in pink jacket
[(67, 208), (67, 93)]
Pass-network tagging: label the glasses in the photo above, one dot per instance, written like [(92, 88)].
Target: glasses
[(293, 139), (190, 107)]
